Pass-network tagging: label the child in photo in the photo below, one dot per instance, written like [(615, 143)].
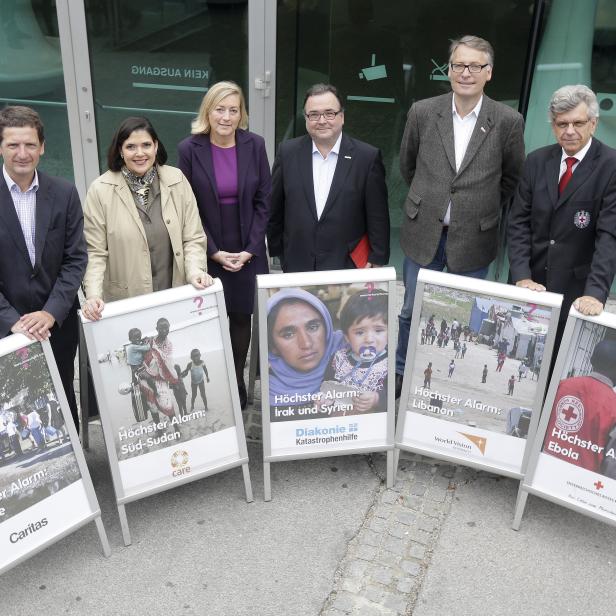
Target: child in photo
[(198, 374), (135, 353), (179, 391), (362, 364)]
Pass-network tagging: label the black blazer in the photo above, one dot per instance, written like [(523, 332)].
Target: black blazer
[(566, 242), (61, 255), (356, 205)]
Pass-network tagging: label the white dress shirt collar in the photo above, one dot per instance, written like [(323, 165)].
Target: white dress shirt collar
[(9, 181), (476, 109), (579, 155)]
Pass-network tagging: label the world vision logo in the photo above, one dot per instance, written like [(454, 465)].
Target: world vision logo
[(179, 463), (478, 441)]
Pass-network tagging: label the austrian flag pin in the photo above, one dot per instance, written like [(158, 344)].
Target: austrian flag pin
[(581, 219)]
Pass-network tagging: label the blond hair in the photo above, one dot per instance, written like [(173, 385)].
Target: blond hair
[(220, 90)]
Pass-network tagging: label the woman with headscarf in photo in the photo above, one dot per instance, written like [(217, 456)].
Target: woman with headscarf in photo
[(301, 340)]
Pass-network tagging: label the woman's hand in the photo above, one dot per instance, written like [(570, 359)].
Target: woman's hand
[(201, 281), (93, 308), (231, 261)]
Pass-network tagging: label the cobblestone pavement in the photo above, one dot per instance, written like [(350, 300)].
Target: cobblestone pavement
[(382, 571)]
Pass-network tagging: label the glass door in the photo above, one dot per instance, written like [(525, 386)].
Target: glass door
[(158, 58), (31, 74)]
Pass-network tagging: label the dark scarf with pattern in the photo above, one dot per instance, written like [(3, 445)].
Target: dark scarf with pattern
[(140, 185)]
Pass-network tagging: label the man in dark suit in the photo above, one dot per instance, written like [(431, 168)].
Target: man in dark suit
[(328, 194), (42, 250), (462, 155), (562, 225)]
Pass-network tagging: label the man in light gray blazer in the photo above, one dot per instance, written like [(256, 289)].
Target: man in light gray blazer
[(462, 155)]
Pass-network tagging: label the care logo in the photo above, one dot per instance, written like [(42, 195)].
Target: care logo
[(479, 441), (569, 414), (179, 463)]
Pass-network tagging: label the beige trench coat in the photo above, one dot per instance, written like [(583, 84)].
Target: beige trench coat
[(118, 255)]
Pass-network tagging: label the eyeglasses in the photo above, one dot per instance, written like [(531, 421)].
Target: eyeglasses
[(472, 68), (315, 116), (576, 124)]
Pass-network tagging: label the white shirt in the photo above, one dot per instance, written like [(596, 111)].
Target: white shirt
[(579, 155), (25, 206), (323, 173), (462, 131)]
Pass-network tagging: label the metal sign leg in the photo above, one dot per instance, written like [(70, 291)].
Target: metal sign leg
[(124, 525), (520, 504), (267, 483), (103, 537), (247, 483), (391, 468)]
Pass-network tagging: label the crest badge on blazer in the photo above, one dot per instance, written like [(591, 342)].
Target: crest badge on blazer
[(581, 219)]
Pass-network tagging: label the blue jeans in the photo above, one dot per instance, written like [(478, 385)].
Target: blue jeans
[(410, 270)]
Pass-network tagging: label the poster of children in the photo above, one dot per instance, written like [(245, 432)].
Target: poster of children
[(477, 360), (324, 337), (162, 381), (473, 383), (36, 455), (45, 487), (328, 350)]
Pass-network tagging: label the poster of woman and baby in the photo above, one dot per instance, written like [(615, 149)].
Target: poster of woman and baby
[(326, 348)]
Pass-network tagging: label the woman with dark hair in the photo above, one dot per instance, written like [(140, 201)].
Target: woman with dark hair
[(301, 340), (141, 223), (227, 168)]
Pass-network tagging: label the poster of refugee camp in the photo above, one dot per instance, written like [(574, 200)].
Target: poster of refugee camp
[(324, 337), (475, 372), (574, 462), (43, 491), (162, 379)]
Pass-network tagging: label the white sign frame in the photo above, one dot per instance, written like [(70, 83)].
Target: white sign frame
[(232, 437), (76, 501), (471, 453), (386, 276), (540, 464)]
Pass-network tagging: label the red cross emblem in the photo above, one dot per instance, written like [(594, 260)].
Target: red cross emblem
[(598, 485), (569, 413)]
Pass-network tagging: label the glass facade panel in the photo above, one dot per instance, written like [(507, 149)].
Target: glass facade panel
[(31, 74), (157, 58), (578, 45), (383, 57)]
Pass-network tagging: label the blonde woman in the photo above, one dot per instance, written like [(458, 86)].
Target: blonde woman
[(229, 173)]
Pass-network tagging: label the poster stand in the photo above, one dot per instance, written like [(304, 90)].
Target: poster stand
[(62, 496), (144, 457), (324, 294), (452, 406), (567, 459)]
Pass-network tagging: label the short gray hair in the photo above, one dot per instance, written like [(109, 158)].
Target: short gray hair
[(569, 97), (474, 42)]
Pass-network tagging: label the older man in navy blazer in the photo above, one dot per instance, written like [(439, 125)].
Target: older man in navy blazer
[(42, 250), (328, 194), (562, 225)]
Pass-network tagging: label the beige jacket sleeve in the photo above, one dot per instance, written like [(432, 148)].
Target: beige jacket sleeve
[(95, 230), (193, 237)]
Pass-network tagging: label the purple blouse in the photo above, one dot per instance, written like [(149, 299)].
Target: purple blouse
[(225, 170)]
